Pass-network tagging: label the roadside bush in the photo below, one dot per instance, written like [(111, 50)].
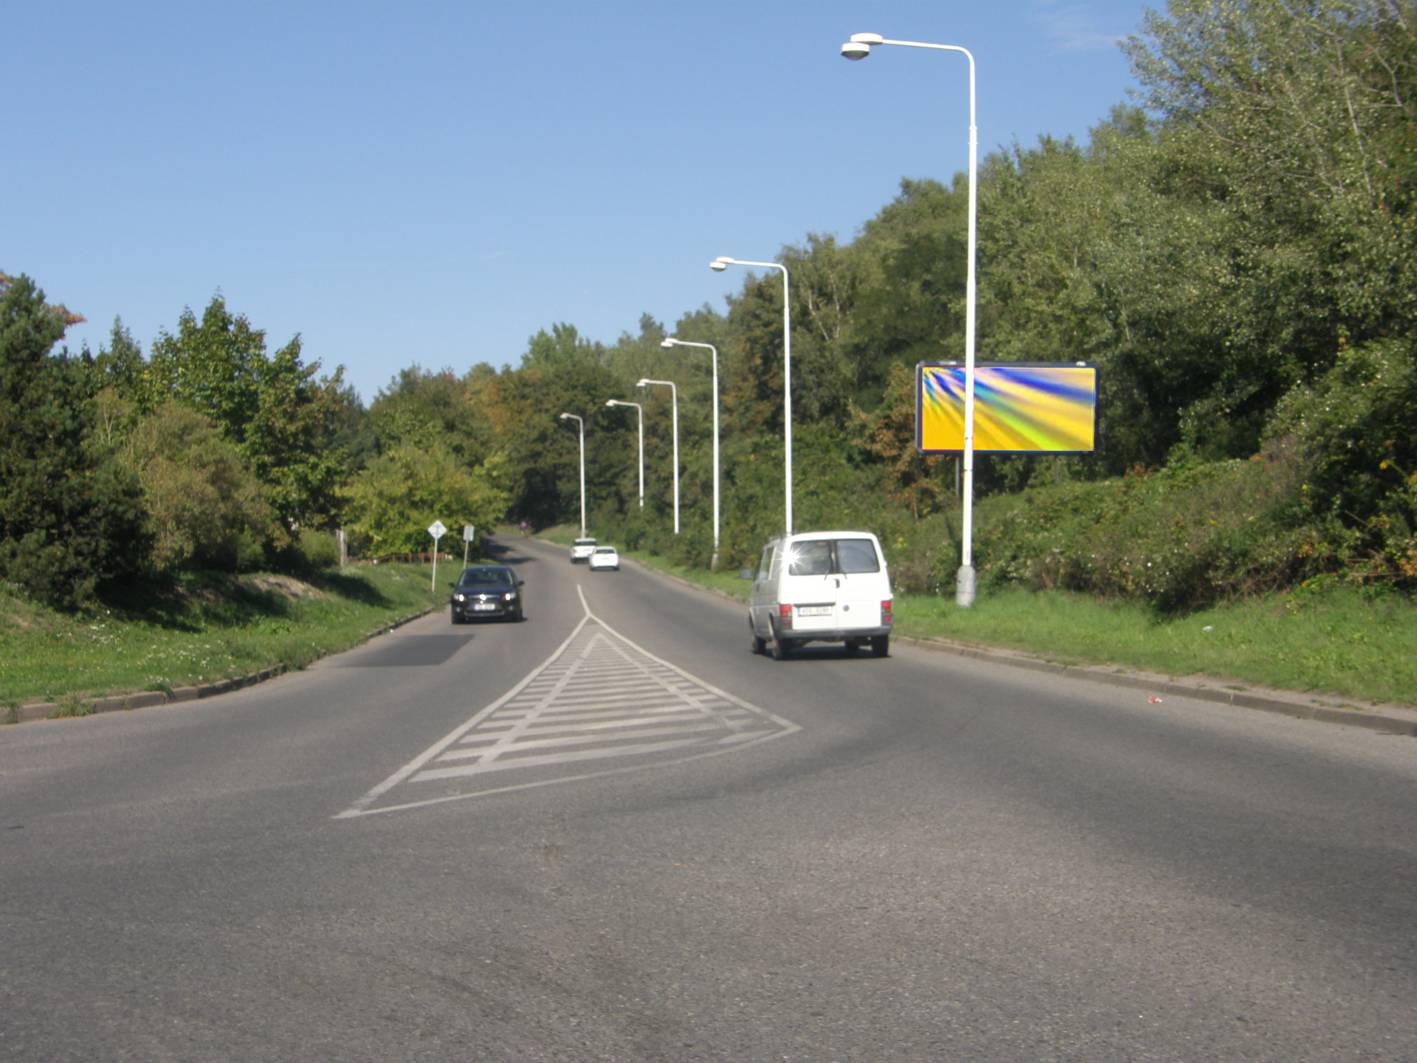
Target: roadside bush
[(310, 551), (1354, 431), (205, 508), (1180, 539)]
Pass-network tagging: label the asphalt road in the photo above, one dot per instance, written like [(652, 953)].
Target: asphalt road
[(613, 833)]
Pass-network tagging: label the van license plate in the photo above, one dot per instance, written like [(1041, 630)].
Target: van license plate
[(814, 610)]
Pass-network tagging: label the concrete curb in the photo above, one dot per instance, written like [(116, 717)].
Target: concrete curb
[(1388, 719), (45, 710)]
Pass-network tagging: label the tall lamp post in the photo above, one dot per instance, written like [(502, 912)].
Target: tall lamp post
[(641, 411), (669, 342), (580, 426), (674, 396), (859, 47), (720, 264)]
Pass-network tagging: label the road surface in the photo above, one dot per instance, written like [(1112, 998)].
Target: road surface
[(611, 832)]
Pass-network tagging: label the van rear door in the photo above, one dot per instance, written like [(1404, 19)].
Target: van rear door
[(864, 584)]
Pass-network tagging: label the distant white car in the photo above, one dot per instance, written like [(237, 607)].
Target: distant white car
[(605, 558), (581, 550)]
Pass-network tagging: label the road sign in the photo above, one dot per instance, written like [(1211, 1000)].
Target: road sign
[(437, 530), (467, 533)]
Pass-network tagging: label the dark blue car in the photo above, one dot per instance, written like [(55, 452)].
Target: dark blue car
[(485, 592)]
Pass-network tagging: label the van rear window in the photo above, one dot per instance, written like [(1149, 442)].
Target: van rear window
[(811, 558), (856, 555), (823, 557)]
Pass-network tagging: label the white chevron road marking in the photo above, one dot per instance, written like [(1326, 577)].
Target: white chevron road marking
[(599, 697)]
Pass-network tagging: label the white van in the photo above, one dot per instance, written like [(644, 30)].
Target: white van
[(829, 586)]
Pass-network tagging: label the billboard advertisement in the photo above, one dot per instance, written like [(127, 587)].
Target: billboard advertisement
[(1019, 408)]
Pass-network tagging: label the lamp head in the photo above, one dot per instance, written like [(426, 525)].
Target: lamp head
[(667, 342), (720, 264), (859, 46), (641, 383), (565, 417), (611, 402)]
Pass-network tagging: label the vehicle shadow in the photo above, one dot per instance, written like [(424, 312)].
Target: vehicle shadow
[(825, 651)]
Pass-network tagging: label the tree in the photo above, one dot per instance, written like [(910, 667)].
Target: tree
[(205, 507), (71, 519), (391, 503), (420, 407), (284, 420), (1297, 119)]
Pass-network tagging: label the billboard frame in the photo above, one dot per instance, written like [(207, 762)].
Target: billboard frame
[(920, 368)]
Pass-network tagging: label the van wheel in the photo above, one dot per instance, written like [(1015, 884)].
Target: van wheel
[(881, 646), (759, 644), (779, 646)]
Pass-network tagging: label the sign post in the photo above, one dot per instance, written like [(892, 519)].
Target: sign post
[(468, 531), (436, 530)]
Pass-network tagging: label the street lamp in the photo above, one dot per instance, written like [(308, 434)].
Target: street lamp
[(641, 411), (580, 426), (720, 264), (670, 342), (859, 47), (674, 396)]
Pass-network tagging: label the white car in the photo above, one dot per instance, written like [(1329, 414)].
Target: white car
[(581, 550), (605, 558)]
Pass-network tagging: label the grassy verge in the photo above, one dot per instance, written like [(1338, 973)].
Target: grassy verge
[(203, 629), (1334, 640)]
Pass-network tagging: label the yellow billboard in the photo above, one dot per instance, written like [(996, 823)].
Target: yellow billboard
[(1019, 408)]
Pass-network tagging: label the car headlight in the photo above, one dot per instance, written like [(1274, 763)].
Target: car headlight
[(510, 596), (459, 598)]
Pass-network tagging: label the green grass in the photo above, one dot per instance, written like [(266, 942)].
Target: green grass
[(1332, 640), (1336, 641), (203, 629)]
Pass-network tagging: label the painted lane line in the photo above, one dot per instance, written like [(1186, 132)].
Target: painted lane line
[(434, 774), (563, 705), (423, 758), (564, 741)]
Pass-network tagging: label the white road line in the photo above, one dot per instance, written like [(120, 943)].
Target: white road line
[(562, 703), (600, 740), (433, 774), (423, 758)]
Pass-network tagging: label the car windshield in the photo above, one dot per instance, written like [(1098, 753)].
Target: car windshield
[(605, 549), (482, 576)]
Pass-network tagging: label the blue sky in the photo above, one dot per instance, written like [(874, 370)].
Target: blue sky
[(433, 182)]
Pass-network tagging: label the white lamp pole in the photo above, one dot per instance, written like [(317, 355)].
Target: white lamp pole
[(670, 341), (580, 426), (641, 411), (859, 47), (674, 396), (720, 264)]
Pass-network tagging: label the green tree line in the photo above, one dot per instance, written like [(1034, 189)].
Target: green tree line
[(1236, 252)]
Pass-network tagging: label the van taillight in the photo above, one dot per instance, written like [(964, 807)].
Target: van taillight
[(784, 616), (885, 613)]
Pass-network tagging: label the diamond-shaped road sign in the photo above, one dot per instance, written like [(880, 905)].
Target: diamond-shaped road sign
[(437, 530)]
